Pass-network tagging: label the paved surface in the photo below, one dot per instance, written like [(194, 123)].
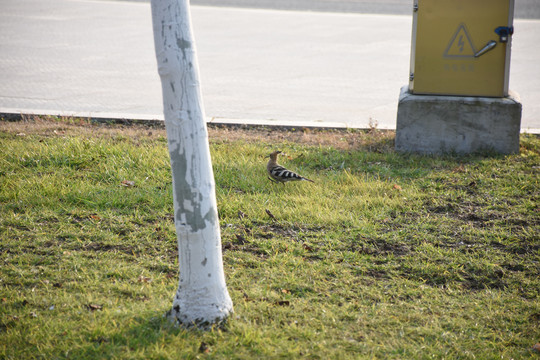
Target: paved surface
[(96, 58), (524, 9)]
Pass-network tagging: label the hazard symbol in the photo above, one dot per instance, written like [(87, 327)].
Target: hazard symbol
[(460, 44)]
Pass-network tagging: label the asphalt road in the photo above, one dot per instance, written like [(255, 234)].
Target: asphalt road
[(524, 9), (297, 68)]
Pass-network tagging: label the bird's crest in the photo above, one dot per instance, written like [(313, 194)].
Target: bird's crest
[(273, 155)]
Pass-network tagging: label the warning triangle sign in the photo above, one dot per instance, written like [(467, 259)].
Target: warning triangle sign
[(460, 44)]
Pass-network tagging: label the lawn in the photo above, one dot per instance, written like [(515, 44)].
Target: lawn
[(385, 256)]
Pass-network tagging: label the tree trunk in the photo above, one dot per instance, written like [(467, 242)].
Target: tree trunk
[(202, 297)]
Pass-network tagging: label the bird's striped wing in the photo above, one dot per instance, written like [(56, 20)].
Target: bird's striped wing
[(279, 173)]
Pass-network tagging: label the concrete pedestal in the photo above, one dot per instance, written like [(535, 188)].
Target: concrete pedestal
[(434, 124)]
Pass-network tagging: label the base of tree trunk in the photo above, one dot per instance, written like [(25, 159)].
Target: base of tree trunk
[(184, 318)]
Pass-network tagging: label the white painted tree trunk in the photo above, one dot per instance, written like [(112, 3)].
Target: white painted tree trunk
[(202, 297)]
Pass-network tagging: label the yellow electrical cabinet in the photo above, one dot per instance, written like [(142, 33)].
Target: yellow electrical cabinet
[(461, 47)]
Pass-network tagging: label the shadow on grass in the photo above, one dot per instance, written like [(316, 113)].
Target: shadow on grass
[(389, 163), (149, 335)]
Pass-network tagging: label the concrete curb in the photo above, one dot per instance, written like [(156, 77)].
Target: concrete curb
[(157, 120)]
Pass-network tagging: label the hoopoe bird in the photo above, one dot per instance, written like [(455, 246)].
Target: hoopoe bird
[(279, 174)]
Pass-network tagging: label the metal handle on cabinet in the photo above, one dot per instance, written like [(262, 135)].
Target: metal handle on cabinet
[(489, 46)]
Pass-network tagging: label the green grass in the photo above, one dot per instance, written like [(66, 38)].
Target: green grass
[(386, 256)]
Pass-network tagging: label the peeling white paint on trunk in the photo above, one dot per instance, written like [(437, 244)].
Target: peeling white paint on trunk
[(202, 296)]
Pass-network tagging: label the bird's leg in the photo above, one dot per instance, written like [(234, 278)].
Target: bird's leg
[(272, 180)]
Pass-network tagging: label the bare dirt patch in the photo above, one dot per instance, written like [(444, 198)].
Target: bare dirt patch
[(342, 139)]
